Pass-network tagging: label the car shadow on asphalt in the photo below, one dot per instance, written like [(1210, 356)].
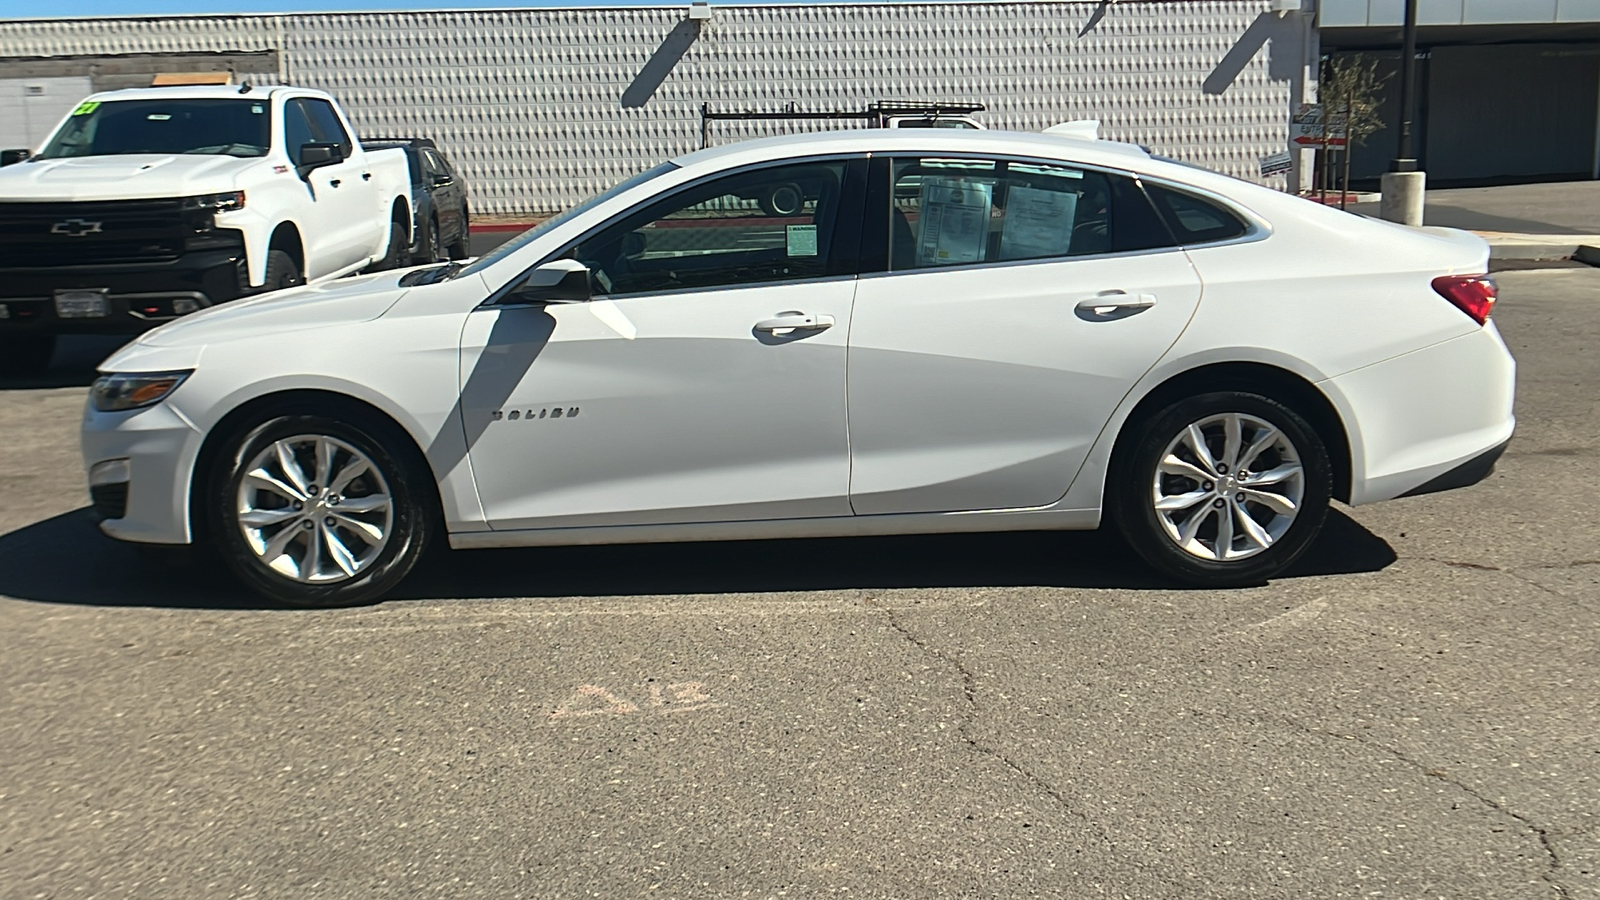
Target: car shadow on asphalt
[(66, 560), (73, 365)]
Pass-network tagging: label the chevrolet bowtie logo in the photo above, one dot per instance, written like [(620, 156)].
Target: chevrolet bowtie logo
[(75, 228)]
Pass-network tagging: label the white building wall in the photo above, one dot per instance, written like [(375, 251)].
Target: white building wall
[(30, 108), (530, 102)]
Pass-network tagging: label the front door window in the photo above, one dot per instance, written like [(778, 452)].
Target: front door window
[(758, 227)]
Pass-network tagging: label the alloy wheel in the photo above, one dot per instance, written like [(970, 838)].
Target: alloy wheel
[(314, 509), (1228, 487)]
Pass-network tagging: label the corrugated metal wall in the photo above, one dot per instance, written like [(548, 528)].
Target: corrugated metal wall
[(530, 102)]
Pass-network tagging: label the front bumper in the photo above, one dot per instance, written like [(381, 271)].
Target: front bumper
[(160, 445), (140, 295)]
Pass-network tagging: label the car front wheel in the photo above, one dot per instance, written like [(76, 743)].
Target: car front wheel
[(1221, 489), (314, 510)]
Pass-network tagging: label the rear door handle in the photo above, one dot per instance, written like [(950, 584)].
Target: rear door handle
[(1115, 304), (334, 182), (366, 176), (787, 322)]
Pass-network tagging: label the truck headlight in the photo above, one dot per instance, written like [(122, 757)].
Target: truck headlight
[(227, 201), (120, 391)]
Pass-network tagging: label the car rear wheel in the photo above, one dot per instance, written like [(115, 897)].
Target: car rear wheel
[(26, 354), (315, 509), (1222, 489)]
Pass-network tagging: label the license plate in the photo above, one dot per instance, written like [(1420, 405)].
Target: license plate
[(82, 304)]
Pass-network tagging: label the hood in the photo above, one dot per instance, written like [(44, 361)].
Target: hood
[(133, 176), (341, 302)]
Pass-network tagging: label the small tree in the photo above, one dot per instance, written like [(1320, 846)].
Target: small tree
[(1351, 92)]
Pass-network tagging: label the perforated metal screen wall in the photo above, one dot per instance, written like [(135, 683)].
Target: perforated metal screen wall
[(530, 103)]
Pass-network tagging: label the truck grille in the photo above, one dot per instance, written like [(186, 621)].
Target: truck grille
[(42, 235)]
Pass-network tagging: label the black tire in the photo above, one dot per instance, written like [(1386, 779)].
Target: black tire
[(1131, 492), (432, 246), (281, 272), (461, 247), (401, 472), (23, 355), (395, 256)]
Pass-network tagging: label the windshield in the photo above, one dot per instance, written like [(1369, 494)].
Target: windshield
[(539, 230), (225, 127)]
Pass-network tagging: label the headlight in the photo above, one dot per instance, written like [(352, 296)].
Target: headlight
[(224, 202), (132, 390)]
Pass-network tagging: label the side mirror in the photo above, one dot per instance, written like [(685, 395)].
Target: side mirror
[(7, 157), (442, 180), (557, 281), (319, 154)]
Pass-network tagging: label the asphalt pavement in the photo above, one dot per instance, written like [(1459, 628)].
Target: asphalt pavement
[(1564, 208), (1412, 713)]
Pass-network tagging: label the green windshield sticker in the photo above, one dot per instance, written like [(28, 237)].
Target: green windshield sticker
[(85, 108)]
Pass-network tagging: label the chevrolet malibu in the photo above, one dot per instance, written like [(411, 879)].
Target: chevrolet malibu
[(851, 333)]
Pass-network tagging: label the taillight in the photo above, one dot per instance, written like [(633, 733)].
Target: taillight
[(1472, 294)]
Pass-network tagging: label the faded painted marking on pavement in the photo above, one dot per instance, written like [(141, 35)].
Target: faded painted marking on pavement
[(1294, 618), (663, 699)]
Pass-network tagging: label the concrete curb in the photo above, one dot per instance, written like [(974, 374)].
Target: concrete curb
[(1539, 246)]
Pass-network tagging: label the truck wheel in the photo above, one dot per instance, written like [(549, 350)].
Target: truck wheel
[(281, 272), (395, 256), (432, 245), (460, 248), (26, 354)]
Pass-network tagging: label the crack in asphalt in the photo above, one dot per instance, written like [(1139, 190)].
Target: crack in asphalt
[(1515, 571), (1466, 564), (1543, 834), (969, 691)]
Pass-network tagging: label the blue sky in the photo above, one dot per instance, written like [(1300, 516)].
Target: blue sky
[(62, 8)]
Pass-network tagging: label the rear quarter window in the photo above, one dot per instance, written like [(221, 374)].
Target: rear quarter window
[(1194, 220)]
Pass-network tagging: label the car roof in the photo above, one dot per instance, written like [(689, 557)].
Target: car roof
[(1111, 154), (204, 92)]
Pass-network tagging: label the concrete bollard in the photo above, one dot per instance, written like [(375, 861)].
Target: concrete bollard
[(1402, 197)]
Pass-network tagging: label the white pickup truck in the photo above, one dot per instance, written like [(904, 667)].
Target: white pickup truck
[(148, 204)]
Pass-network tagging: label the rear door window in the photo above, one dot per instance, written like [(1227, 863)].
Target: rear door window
[(947, 212)]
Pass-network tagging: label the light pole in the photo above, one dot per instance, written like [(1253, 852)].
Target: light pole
[(1404, 185)]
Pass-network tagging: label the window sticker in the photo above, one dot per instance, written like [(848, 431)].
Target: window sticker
[(159, 117), (1038, 223), (802, 240), (87, 107), (955, 221), (257, 109)]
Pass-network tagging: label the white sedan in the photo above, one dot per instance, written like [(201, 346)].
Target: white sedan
[(872, 332)]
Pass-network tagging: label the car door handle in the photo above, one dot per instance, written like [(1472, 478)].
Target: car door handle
[(786, 322), (366, 176), (1115, 304), (333, 182)]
